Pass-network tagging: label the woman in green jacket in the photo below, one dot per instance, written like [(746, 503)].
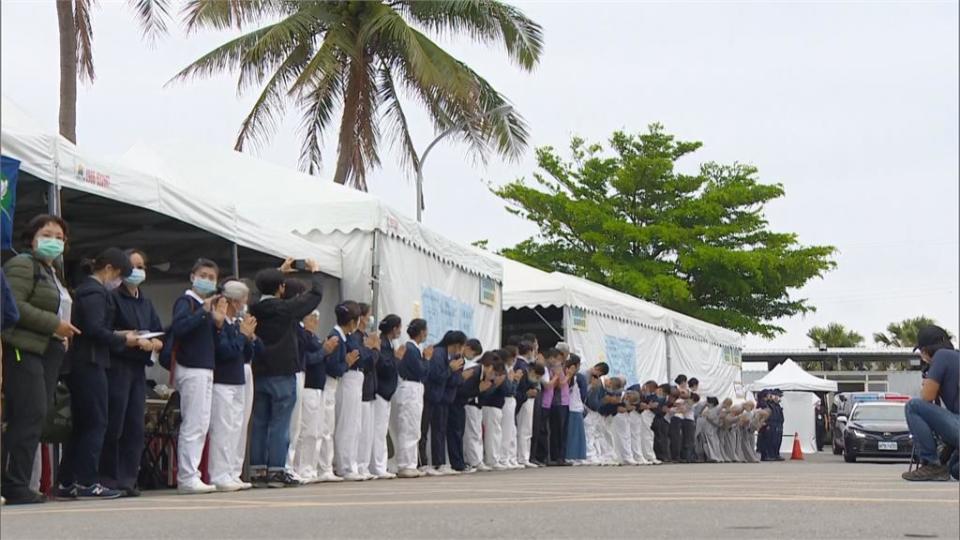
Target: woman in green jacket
[(33, 351)]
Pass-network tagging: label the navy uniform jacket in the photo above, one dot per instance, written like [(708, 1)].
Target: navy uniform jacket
[(314, 361), (133, 313), (524, 383), (233, 350), (412, 367), (93, 312), (582, 386), (470, 387), (368, 365), (776, 416), (336, 361), (494, 397), (193, 332), (386, 370), (441, 382)]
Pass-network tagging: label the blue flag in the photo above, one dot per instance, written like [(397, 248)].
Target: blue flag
[(9, 171)]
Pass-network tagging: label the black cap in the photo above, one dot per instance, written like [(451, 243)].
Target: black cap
[(931, 335)]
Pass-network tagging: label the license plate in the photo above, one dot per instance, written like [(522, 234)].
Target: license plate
[(882, 445)]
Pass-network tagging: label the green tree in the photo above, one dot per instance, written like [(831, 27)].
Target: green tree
[(903, 333), (834, 335), (358, 57), (696, 243), (76, 48)]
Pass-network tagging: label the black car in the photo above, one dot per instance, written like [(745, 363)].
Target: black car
[(877, 429)]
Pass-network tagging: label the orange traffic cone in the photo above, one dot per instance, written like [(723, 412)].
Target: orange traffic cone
[(797, 451)]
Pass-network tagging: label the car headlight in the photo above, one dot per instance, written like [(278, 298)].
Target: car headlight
[(858, 434)]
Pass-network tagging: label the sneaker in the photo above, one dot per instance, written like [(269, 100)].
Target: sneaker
[(282, 479), (500, 467), (98, 491), (531, 465), (195, 489), (329, 477), (27, 496), (130, 492), (449, 471), (245, 486), (259, 481), (483, 467), (229, 487), (367, 476), (409, 473), (468, 470), (353, 477), (386, 476), (928, 473), (66, 493), (430, 471)]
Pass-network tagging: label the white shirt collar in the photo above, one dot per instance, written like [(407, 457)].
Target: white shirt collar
[(194, 295), (343, 336)]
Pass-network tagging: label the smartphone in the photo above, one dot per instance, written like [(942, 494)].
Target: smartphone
[(300, 265)]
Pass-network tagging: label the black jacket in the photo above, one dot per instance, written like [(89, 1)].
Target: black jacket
[(93, 313), (387, 377), (134, 313), (277, 324)]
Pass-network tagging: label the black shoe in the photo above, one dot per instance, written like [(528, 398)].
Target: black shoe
[(98, 491), (130, 492), (282, 479), (25, 497), (259, 482), (66, 493)]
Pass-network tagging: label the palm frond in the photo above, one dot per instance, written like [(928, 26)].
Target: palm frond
[(152, 16), (397, 125), (223, 14), (226, 57), (319, 105), (81, 17)]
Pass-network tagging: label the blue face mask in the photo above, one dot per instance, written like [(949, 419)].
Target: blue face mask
[(205, 287), (49, 249), (136, 277)]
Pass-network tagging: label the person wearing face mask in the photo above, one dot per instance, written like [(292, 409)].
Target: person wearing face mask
[(391, 347), (33, 351), (444, 375), (407, 403), (472, 432), (197, 317), (93, 314), (126, 378), (369, 347), (457, 415)]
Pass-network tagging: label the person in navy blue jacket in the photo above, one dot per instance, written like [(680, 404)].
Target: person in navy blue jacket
[(466, 396), (387, 379), (407, 403), (197, 315), (444, 375), (369, 347), (346, 360), (93, 313), (491, 408), (123, 442)]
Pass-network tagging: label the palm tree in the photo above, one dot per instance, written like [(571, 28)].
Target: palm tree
[(834, 335), (903, 333), (76, 49), (358, 57)]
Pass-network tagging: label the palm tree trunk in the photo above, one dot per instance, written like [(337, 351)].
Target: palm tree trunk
[(68, 69)]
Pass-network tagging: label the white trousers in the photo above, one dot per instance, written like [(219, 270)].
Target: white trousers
[(492, 435), (508, 432), (241, 453), (381, 425), (608, 452), (365, 444), (646, 436), (196, 397), (524, 431), (325, 443), (295, 423), (226, 428), (346, 439), (620, 424), (636, 437), (312, 418), (473, 436), (407, 408), (594, 447)]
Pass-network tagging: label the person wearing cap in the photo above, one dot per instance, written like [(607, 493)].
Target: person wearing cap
[(774, 426), (925, 418), (93, 314)]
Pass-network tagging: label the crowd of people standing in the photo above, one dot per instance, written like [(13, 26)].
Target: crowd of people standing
[(260, 382)]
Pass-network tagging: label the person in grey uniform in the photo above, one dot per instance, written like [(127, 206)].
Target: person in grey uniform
[(708, 441), (747, 428)]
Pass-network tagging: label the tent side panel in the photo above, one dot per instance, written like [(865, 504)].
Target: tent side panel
[(717, 371), (635, 352)]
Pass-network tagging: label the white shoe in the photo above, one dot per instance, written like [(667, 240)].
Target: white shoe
[(195, 489), (353, 477), (430, 471), (447, 470), (516, 466), (245, 486), (531, 465), (469, 470), (329, 477), (386, 476), (500, 467), (484, 468), (409, 473), (229, 487), (368, 476)]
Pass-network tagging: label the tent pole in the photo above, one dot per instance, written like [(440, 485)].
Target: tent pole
[(375, 275), (667, 348), (235, 260)]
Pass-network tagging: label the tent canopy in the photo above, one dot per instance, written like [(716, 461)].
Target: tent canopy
[(789, 376), (54, 159)]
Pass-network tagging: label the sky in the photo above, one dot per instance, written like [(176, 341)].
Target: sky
[(852, 107)]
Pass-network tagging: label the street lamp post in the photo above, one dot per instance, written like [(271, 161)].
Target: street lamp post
[(452, 129)]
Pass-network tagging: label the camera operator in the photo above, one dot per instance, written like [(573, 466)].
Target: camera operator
[(924, 417)]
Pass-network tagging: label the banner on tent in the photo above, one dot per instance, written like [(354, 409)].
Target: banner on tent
[(444, 313), (488, 291), (9, 173), (621, 357), (578, 319), (731, 356)]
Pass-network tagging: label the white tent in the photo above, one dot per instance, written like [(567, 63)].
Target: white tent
[(388, 259), (54, 159), (637, 338), (798, 402)]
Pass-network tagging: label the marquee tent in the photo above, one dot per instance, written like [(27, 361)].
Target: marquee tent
[(637, 338), (389, 260), (798, 402), (52, 158)]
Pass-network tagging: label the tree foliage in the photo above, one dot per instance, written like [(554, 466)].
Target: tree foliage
[(903, 333), (834, 335), (360, 58), (694, 242)]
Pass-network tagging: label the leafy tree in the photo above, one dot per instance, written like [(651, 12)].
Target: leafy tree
[(697, 243), (76, 48), (358, 57), (903, 333), (834, 335)]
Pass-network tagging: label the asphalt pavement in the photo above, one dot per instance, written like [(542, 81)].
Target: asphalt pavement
[(820, 497)]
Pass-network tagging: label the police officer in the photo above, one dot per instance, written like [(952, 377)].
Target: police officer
[(775, 423)]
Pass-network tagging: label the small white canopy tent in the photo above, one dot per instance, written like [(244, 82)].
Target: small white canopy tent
[(389, 260), (54, 159), (798, 402), (637, 338)]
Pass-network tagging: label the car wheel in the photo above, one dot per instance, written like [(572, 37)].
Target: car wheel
[(849, 457)]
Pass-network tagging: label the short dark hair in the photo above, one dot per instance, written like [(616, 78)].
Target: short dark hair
[(347, 311), (416, 327), (681, 378), (109, 257), (693, 381), (268, 280), (474, 345), (552, 353), (293, 287), (364, 309), (665, 387), (538, 369), (531, 337), (389, 323), (694, 397), (452, 337), (510, 351), (574, 358), (489, 358), (207, 263), (525, 348), (135, 251), (571, 363), (713, 401), (514, 340), (40, 221), (602, 367)]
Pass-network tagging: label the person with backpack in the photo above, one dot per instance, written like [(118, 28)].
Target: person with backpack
[(33, 351)]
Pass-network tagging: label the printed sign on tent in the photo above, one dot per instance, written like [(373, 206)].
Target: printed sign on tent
[(9, 172), (621, 357), (488, 291), (443, 313), (578, 319)]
